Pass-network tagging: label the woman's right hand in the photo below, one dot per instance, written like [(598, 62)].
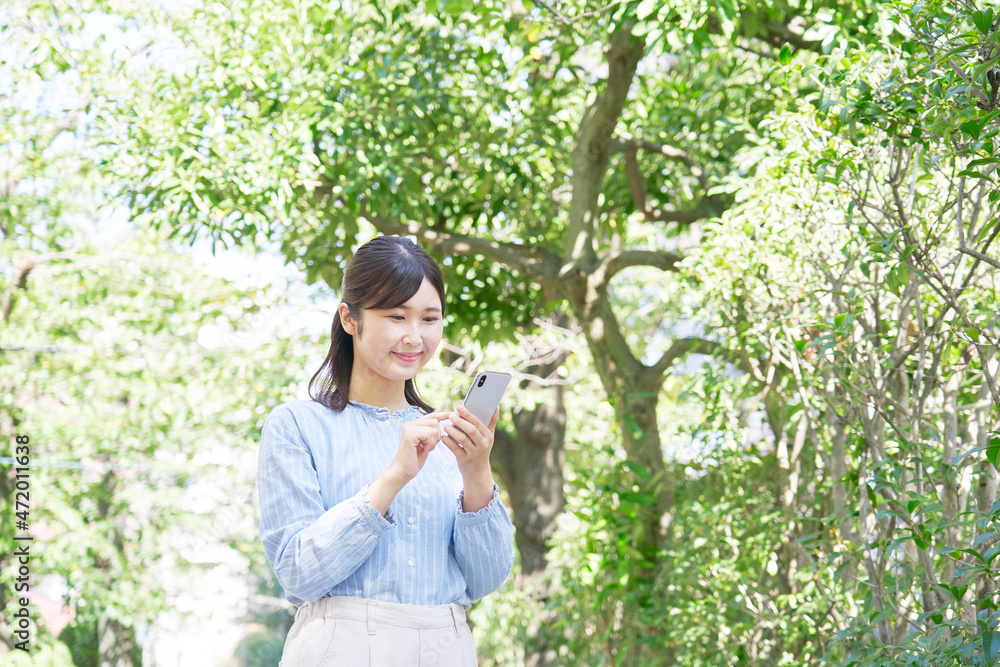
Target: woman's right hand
[(419, 439)]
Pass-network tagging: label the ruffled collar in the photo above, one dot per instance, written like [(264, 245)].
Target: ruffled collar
[(383, 414)]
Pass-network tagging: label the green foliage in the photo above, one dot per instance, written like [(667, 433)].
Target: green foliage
[(276, 130), (110, 367), (856, 318), (41, 656), (127, 405), (831, 474)]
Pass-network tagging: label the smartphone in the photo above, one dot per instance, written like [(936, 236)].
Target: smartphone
[(484, 395)]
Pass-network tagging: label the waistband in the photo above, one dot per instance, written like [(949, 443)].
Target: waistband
[(377, 612)]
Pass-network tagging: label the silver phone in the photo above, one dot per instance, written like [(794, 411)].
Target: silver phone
[(484, 395)]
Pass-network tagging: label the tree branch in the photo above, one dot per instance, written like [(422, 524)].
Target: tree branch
[(770, 31), (631, 144), (591, 149), (534, 262), (684, 346), (685, 217), (980, 256), (665, 261), (555, 12), (777, 34), (637, 184)]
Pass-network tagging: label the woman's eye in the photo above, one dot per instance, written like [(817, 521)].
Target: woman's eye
[(398, 318), (430, 320)]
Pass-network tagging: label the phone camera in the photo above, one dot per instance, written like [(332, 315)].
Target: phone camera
[(482, 381)]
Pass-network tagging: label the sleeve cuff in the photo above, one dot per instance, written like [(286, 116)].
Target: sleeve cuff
[(371, 516), (483, 514)]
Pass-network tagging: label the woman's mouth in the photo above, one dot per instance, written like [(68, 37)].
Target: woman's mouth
[(408, 358)]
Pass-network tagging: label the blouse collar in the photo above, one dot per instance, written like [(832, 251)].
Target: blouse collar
[(383, 414)]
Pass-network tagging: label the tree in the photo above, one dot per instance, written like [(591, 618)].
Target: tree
[(117, 389), (494, 135), (107, 369), (869, 323), (810, 184)]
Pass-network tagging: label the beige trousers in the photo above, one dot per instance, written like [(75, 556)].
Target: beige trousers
[(352, 632)]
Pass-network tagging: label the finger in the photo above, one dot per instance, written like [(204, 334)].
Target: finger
[(457, 449), (423, 433), (467, 427), (472, 419), (458, 436), (430, 435), (493, 422), (469, 437), (436, 416), (422, 427)]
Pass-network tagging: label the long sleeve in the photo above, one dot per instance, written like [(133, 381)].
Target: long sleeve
[(323, 537), (484, 546), (310, 548)]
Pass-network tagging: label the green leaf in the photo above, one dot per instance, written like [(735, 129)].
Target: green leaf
[(971, 128), (993, 452), (991, 646), (785, 54), (984, 537), (897, 278), (638, 469), (983, 19), (645, 8), (633, 426), (991, 554), (958, 592), (957, 459)]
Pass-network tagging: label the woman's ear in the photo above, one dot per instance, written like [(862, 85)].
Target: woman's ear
[(347, 320)]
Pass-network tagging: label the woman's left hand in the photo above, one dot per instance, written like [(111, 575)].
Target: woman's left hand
[(471, 440)]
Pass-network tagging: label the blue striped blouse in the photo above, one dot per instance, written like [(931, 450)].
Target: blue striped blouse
[(323, 537)]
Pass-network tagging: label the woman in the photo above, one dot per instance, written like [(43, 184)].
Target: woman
[(381, 538)]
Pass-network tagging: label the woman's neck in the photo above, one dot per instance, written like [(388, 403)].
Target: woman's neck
[(389, 395)]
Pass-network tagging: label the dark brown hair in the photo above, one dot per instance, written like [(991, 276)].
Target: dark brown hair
[(384, 273)]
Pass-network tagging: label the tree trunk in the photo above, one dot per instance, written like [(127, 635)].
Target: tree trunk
[(838, 470), (115, 642), (631, 386), (531, 467), (633, 389), (530, 464)]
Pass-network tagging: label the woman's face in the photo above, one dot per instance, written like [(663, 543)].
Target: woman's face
[(392, 345)]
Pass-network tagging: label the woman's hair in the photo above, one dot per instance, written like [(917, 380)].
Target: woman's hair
[(384, 273)]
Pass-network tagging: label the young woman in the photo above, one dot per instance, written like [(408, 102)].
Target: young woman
[(380, 537)]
